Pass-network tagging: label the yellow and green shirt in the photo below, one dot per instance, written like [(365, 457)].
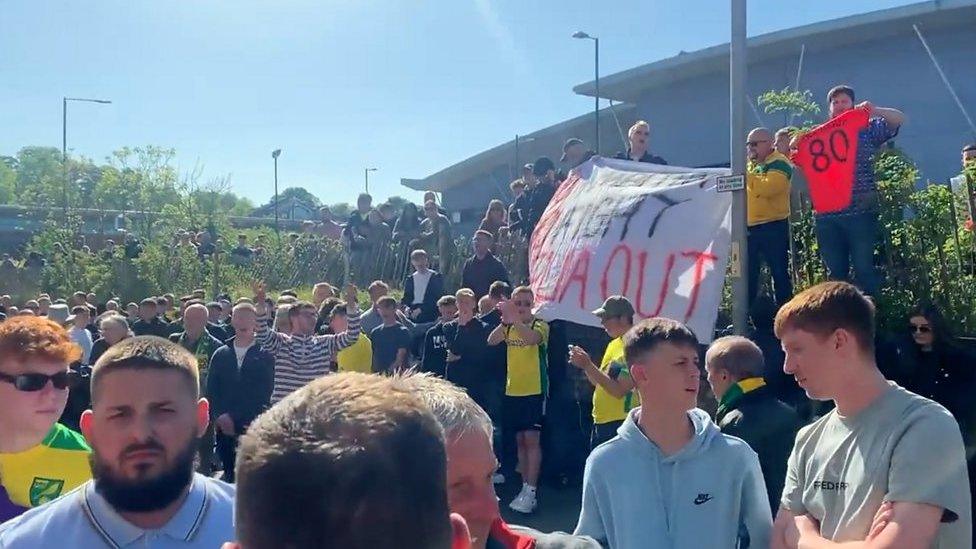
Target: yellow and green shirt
[(358, 357), (768, 189), (606, 407), (40, 474), (527, 364)]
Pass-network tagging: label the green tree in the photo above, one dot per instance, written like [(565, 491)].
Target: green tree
[(8, 184), (341, 210), (298, 193), (40, 181), (397, 202)]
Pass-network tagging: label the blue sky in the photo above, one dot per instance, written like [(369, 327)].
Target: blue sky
[(409, 87)]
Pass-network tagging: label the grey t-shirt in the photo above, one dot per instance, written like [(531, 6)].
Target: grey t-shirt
[(902, 447)]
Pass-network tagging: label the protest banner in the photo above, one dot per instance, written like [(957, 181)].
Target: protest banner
[(659, 235), (827, 155)]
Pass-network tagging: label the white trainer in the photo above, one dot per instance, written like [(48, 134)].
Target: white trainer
[(524, 503)]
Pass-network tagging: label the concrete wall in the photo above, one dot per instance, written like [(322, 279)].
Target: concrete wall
[(690, 123), (470, 198)]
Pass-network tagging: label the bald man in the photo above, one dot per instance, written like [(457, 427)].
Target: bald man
[(768, 196), (196, 339)]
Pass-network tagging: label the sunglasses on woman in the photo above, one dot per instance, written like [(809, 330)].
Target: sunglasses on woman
[(919, 329), (30, 383)]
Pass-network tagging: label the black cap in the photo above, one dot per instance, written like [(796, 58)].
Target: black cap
[(569, 143), (542, 165)]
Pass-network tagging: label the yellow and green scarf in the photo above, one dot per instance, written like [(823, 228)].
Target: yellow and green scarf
[(736, 392)]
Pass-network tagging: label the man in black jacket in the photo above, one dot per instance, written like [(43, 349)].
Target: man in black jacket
[(148, 322), (639, 135), (467, 349), (422, 289), (748, 409), (434, 356), (239, 384), (483, 268)]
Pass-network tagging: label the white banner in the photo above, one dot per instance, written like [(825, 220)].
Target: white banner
[(658, 235)]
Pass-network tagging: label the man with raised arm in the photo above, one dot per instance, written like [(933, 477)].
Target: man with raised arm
[(302, 356)]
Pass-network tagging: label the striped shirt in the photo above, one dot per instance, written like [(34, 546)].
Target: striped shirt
[(300, 359)]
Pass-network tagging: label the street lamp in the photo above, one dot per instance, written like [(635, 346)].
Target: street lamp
[(275, 154), (366, 173), (64, 140), (738, 68), (517, 140), (596, 70)]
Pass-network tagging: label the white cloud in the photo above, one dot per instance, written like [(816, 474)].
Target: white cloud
[(503, 37)]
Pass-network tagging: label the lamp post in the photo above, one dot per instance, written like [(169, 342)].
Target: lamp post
[(366, 174), (64, 140), (737, 98), (518, 139), (275, 154), (596, 77)]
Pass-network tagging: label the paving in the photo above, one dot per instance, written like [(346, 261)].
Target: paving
[(558, 507)]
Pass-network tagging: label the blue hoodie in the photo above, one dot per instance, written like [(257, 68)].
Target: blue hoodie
[(710, 494)]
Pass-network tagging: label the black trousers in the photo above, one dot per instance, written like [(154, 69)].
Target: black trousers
[(227, 452), (770, 242), (603, 432)]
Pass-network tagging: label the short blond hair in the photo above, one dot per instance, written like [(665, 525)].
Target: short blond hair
[(738, 355), (523, 290), (638, 124), (457, 413), (466, 292)]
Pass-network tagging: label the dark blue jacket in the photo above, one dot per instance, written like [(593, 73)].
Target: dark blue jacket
[(243, 394)]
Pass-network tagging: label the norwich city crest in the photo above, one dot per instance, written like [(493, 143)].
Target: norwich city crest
[(43, 490)]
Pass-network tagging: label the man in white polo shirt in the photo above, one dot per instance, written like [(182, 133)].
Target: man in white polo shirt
[(143, 427)]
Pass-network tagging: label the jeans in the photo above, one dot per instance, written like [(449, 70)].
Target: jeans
[(770, 242), (850, 239)]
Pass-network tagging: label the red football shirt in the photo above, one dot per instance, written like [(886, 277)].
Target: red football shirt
[(828, 156)]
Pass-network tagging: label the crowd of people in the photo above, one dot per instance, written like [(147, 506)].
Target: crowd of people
[(259, 422)]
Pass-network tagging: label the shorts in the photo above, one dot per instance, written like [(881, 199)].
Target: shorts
[(524, 413), (603, 432)]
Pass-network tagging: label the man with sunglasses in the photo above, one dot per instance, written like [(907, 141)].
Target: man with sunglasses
[(768, 205), (146, 417), (526, 338), (39, 458)]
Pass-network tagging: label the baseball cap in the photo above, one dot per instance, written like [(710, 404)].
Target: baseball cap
[(528, 167), (569, 143), (615, 306), (542, 165)]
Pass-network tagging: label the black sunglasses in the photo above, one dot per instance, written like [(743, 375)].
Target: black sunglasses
[(920, 329), (30, 383)]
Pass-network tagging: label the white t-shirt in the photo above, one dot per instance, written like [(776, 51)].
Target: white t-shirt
[(83, 338), (241, 352), (420, 281)]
